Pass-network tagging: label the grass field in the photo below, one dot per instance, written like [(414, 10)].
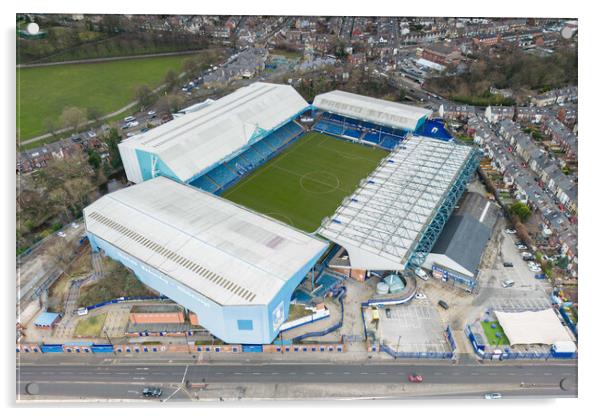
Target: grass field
[(90, 327), (44, 92), (307, 181), (490, 333)]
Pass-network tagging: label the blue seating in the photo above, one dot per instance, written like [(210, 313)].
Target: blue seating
[(223, 175), (253, 157), (352, 133), (205, 184), (263, 149)]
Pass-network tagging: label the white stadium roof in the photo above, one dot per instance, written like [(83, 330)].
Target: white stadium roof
[(370, 109), (381, 223), (533, 327), (197, 140), (223, 251)]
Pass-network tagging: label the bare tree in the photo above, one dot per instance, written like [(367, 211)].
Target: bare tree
[(144, 95), (50, 125), (73, 117)]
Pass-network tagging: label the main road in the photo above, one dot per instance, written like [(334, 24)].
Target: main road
[(64, 380)]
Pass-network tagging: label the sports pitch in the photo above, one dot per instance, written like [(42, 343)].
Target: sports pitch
[(307, 181)]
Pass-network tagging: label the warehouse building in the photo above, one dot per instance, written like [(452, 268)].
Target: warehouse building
[(191, 145), (235, 269), (456, 256)]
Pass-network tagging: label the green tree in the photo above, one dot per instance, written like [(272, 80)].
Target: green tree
[(521, 210), (112, 141), (94, 159)]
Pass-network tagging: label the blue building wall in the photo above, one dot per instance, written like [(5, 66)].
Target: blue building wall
[(146, 166), (228, 323)]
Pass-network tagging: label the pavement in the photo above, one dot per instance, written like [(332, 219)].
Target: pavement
[(60, 377)]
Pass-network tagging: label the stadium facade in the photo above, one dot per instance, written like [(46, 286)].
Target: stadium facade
[(236, 269)]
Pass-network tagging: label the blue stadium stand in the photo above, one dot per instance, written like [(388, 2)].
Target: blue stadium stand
[(263, 149), (435, 129), (205, 183), (223, 175)]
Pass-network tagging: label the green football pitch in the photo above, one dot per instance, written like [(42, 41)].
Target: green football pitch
[(307, 181)]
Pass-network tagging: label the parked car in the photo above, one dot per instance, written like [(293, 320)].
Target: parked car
[(491, 396), (421, 273), (522, 247), (129, 119), (415, 378), (507, 283), (76, 139), (74, 225), (520, 243), (420, 296), (61, 234), (152, 113), (508, 264), (91, 134), (388, 313), (443, 304), (134, 123), (152, 392), (510, 231), (540, 276)]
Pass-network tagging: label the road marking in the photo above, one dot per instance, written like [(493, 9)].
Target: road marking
[(438, 374), (528, 374), (256, 374), (184, 376), (327, 373), (311, 373), (492, 374), (547, 374), (219, 373), (346, 373), (133, 391), (511, 374), (274, 374), (238, 374), (474, 374), (382, 374), (364, 373), (104, 374), (138, 378), (121, 374)]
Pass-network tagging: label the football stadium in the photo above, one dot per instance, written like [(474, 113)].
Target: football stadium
[(236, 204)]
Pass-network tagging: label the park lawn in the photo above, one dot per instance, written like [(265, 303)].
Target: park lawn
[(43, 92), (308, 181), (490, 333), (90, 327)]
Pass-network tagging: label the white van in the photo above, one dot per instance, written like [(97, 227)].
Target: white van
[(82, 311), (421, 273)]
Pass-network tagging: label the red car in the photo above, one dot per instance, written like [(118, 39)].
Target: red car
[(415, 378)]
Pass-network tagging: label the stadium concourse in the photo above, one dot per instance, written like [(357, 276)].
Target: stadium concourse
[(285, 166)]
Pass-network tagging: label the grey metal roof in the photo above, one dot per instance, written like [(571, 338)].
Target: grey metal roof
[(463, 240)]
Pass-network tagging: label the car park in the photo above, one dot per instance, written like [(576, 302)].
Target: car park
[(152, 392), (443, 304)]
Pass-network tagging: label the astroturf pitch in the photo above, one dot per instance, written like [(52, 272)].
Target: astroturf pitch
[(307, 181)]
